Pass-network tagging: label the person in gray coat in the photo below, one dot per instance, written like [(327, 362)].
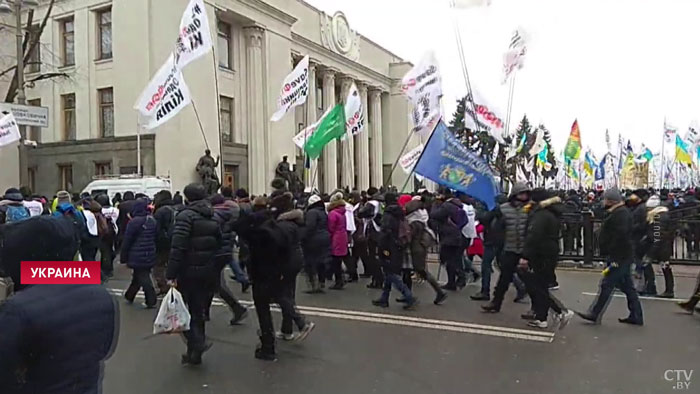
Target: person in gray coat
[(515, 215)]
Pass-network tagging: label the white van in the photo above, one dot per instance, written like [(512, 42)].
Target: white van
[(113, 184)]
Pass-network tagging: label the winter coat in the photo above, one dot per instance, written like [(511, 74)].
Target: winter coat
[(139, 245), (616, 235), (196, 242), (225, 217), (267, 245), (292, 224), (58, 236), (316, 239), (59, 335), (440, 219), (337, 228), (515, 227), (125, 208), (639, 227), (422, 237), (494, 230), (371, 217), (165, 218), (660, 235), (390, 251), (542, 239)]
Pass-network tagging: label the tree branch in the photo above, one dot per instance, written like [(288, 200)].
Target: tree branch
[(48, 76)]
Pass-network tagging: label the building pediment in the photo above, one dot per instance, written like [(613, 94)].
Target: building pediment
[(337, 36)]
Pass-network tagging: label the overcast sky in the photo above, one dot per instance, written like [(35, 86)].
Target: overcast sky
[(623, 65)]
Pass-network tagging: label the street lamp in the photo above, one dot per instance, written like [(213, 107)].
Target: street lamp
[(21, 97)]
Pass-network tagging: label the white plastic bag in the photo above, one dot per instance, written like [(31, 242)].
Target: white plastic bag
[(173, 316)]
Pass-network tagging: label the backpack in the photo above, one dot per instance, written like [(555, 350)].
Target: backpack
[(459, 218), (404, 233), (274, 238), (16, 214)]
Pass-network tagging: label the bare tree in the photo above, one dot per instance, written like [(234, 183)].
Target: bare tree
[(32, 38)]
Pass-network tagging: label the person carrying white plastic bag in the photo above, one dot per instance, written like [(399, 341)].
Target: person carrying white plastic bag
[(173, 316)]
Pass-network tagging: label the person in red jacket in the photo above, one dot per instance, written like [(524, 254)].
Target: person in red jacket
[(477, 246)]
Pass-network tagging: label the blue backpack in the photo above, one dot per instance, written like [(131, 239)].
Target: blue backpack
[(16, 213)]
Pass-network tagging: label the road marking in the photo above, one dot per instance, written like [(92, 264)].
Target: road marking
[(407, 321), (640, 297)]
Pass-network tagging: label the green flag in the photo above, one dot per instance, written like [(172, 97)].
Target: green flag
[(332, 126)]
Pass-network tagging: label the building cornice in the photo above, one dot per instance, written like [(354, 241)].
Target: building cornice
[(271, 11), (357, 67)]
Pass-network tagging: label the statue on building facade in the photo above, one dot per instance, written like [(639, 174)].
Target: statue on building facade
[(206, 168), (291, 179)]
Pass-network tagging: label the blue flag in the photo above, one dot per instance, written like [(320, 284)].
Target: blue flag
[(449, 163), (600, 170)]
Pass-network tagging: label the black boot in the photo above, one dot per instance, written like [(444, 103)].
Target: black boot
[(649, 281), (670, 283), (266, 350)]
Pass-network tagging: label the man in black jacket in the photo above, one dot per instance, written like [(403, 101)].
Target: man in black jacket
[(539, 256), (125, 208), (54, 338), (392, 251), (193, 265), (616, 244)]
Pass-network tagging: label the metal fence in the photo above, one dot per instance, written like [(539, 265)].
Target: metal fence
[(581, 231)]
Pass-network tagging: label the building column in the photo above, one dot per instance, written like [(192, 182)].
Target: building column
[(362, 146), (256, 116), (311, 176), (347, 175), (330, 168), (376, 172)]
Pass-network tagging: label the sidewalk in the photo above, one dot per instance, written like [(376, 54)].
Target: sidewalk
[(681, 271)]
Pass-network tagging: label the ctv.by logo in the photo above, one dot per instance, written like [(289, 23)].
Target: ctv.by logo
[(679, 377)]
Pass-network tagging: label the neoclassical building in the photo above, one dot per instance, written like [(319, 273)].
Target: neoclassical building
[(108, 51)]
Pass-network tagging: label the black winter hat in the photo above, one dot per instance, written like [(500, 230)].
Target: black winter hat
[(13, 194), (540, 194), (195, 192), (282, 202)]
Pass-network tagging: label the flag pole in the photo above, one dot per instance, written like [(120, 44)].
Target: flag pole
[(413, 169), (663, 152), (218, 118), (396, 162), (138, 146), (196, 114), (465, 71)]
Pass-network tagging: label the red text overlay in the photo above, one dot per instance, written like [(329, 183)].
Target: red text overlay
[(60, 273)]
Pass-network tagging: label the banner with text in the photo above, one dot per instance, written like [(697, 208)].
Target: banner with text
[(486, 116), (422, 86), (408, 160), (9, 131), (194, 38), (165, 96), (295, 89), (354, 113)]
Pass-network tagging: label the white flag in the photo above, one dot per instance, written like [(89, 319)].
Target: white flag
[(165, 96), (354, 113), (539, 144), (9, 131), (408, 160), (295, 89), (514, 58), (486, 116), (194, 38), (691, 136), (423, 87), (303, 136)]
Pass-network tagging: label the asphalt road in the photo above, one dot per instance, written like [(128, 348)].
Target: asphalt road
[(453, 348)]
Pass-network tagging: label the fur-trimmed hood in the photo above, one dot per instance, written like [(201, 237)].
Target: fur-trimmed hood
[(550, 201), (553, 204), (651, 214), (335, 204), (295, 215)]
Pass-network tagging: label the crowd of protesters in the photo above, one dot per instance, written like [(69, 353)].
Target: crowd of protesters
[(267, 241)]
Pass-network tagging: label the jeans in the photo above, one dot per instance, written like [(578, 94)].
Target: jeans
[(537, 281), (451, 257), (262, 298), (88, 252), (141, 278), (509, 263), (227, 296), (107, 258), (286, 300), (619, 277), (487, 268), (241, 276), (197, 299), (337, 269), (395, 280), (369, 259)]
